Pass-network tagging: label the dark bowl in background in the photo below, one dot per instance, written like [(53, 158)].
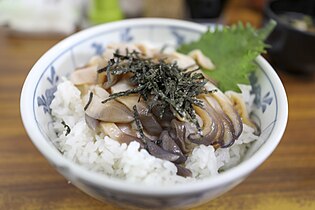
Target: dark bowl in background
[(291, 49)]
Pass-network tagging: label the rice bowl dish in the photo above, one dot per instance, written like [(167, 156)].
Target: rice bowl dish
[(125, 158), (54, 115)]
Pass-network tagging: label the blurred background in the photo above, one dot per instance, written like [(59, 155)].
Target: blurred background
[(67, 16), (28, 28)]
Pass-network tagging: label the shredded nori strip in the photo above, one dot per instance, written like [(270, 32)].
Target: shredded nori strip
[(89, 101), (160, 84), (67, 127), (138, 123)]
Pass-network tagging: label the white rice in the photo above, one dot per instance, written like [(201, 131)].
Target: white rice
[(104, 155)]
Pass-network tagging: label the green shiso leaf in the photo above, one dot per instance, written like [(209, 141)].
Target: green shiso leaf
[(233, 51)]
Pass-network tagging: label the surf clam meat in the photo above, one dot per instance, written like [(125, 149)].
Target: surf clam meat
[(162, 101)]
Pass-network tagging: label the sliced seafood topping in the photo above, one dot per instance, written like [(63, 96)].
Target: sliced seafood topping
[(133, 93)]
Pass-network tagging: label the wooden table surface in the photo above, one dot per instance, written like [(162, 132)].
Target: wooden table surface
[(27, 181)]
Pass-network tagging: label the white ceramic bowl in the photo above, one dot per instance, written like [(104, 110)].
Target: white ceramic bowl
[(270, 111)]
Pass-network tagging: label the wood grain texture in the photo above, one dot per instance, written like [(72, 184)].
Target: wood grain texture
[(27, 181)]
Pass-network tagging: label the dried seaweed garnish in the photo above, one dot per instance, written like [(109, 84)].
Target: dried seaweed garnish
[(160, 84), (138, 122), (89, 101), (67, 127)]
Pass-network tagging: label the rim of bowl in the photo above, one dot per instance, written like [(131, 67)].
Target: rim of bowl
[(56, 158)]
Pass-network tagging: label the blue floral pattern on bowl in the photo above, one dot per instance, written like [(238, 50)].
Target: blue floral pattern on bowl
[(260, 101), (98, 47), (125, 35), (45, 100), (180, 39)]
